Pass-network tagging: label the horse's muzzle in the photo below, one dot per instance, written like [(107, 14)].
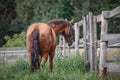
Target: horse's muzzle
[(70, 43)]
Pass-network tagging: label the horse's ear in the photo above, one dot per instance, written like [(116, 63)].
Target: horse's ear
[(66, 19), (72, 21)]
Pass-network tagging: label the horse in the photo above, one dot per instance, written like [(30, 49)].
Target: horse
[(39, 36)]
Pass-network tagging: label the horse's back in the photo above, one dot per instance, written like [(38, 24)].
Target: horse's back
[(44, 27)]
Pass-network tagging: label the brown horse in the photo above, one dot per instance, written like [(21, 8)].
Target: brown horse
[(40, 42), (39, 36)]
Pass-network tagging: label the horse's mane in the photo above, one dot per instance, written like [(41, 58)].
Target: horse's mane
[(58, 22)]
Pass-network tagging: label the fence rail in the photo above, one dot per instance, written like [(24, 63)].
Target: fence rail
[(12, 54)]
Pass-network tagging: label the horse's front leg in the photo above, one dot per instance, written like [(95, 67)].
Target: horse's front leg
[(51, 57)]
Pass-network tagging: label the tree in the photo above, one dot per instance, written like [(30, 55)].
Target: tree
[(7, 14)]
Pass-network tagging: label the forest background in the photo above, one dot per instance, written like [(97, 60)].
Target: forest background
[(17, 15)]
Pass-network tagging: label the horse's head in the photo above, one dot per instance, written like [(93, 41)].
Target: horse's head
[(64, 27), (68, 33)]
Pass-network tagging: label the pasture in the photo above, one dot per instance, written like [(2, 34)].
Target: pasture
[(65, 68)]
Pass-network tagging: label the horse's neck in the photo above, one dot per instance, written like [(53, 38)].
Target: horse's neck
[(58, 29)]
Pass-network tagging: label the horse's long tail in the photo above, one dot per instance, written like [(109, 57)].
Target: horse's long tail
[(35, 50)]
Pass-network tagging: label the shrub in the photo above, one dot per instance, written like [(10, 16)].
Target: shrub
[(16, 40)]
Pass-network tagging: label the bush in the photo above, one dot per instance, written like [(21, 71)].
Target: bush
[(16, 40)]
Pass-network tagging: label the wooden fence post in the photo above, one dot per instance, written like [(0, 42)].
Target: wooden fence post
[(76, 27), (103, 47), (63, 51), (95, 43), (86, 41), (68, 50), (93, 49), (60, 44)]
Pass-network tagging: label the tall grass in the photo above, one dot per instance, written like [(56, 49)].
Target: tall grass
[(64, 69)]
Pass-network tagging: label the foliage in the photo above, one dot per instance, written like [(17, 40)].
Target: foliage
[(36, 10), (6, 16), (16, 40), (17, 15), (64, 69)]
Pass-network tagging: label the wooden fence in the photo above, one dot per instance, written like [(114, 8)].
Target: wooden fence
[(12, 54), (89, 24), (106, 38)]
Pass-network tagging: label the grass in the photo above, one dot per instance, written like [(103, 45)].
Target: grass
[(64, 69)]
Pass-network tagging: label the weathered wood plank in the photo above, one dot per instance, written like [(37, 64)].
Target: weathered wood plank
[(76, 27), (98, 18), (114, 58), (91, 42), (95, 43), (8, 56), (103, 47), (86, 40), (80, 23), (63, 45), (113, 67), (15, 51), (60, 44), (106, 14), (117, 16), (93, 50), (111, 38), (113, 13)]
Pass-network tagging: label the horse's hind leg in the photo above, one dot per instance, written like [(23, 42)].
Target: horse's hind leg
[(28, 45), (51, 57), (39, 59), (30, 60), (45, 59)]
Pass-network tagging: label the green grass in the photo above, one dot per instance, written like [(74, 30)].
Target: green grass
[(64, 69)]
